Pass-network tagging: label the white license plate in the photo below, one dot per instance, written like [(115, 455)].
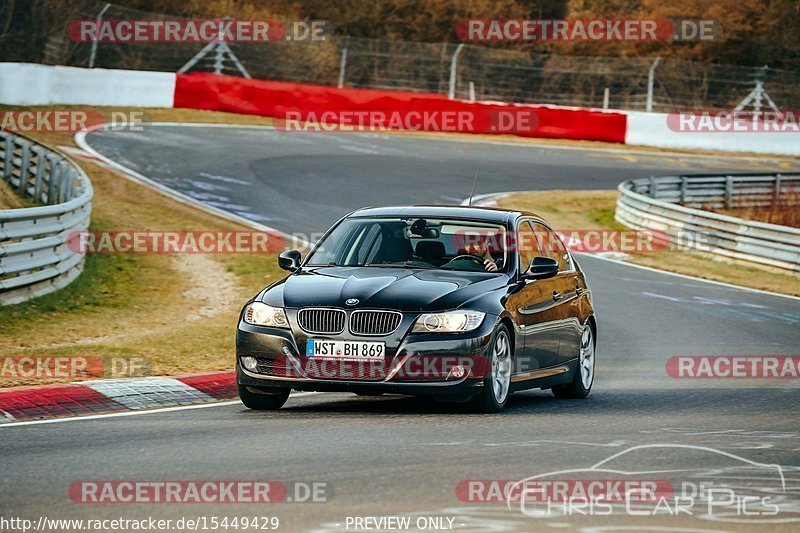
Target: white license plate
[(345, 349)]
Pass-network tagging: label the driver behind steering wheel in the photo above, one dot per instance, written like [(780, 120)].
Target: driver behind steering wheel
[(480, 249)]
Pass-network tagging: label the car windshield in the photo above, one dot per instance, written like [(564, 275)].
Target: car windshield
[(418, 243)]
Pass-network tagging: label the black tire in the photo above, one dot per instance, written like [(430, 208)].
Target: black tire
[(487, 401), (577, 388), (263, 401)]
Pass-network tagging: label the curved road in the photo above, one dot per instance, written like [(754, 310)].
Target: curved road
[(397, 455)]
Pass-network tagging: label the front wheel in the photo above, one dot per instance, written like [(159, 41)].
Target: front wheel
[(581, 383), (263, 401), (497, 382)]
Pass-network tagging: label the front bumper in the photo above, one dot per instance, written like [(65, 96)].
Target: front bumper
[(415, 363)]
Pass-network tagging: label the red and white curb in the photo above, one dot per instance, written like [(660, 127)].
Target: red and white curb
[(114, 395)]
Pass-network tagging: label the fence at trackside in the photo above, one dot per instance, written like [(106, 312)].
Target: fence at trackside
[(35, 258), (669, 204)]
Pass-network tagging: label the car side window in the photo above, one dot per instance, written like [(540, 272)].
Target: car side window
[(527, 245), (553, 247)]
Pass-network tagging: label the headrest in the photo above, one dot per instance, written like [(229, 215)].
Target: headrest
[(430, 249)]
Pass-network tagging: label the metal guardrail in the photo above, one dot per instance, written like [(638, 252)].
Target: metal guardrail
[(668, 205), (35, 257)]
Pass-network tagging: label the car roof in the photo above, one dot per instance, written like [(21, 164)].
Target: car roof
[(488, 214)]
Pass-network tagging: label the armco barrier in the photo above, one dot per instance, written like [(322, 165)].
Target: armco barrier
[(34, 256), (276, 99), (655, 204)]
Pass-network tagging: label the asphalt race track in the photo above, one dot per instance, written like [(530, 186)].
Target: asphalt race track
[(303, 182), (396, 455)]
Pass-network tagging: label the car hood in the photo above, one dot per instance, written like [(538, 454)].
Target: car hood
[(382, 288)]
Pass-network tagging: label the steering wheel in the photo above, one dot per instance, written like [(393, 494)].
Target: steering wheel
[(469, 257)]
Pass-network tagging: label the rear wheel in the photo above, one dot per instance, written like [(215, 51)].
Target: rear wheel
[(497, 383), (581, 383), (262, 401)]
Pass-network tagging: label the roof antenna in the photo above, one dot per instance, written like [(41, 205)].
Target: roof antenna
[(473, 187)]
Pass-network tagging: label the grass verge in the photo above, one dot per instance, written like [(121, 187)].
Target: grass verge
[(784, 214), (10, 200), (576, 210)]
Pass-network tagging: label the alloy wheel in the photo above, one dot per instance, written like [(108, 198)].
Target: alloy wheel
[(501, 367), (586, 360)]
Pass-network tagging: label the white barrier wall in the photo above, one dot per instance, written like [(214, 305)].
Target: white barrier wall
[(651, 129), (30, 84)]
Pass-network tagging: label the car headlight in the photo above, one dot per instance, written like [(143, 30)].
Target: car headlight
[(260, 314), (449, 322)]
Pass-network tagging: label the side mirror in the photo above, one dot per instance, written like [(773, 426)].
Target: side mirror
[(289, 260), (541, 268)]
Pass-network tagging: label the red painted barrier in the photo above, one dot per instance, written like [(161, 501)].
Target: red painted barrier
[(285, 100)]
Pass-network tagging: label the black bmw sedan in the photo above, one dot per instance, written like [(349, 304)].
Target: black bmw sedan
[(464, 304)]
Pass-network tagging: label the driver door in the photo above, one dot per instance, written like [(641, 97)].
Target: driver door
[(536, 313), (567, 290)]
